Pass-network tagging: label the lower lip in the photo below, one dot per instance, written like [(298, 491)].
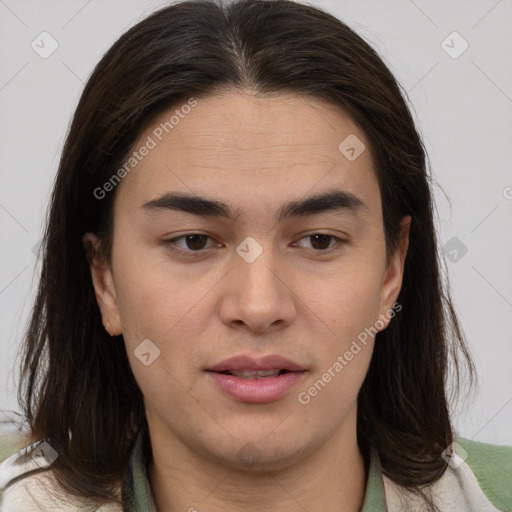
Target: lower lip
[(257, 391)]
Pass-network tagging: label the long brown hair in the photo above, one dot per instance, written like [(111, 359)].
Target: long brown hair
[(77, 388)]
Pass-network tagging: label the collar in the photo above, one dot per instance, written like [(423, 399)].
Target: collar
[(138, 496)]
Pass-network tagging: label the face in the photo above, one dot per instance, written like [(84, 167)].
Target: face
[(284, 268)]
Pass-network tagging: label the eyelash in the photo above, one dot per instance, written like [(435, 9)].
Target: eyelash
[(172, 243)]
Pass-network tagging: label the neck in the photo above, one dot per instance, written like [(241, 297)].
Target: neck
[(331, 479)]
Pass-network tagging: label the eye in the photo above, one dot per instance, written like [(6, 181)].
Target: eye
[(197, 242), (194, 242), (321, 242)]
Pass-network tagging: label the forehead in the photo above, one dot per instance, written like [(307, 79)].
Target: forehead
[(247, 149)]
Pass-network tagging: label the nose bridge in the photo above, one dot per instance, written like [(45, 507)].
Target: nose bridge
[(257, 280), (257, 293)]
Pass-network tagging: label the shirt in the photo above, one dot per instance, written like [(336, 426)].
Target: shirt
[(478, 479)]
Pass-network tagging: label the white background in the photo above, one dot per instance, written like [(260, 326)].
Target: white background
[(463, 107)]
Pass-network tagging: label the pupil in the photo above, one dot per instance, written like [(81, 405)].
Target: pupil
[(194, 240), (323, 238)]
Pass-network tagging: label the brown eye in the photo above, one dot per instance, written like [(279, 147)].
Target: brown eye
[(322, 242), (195, 242), (191, 242)]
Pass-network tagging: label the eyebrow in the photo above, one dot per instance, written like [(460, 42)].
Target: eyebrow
[(335, 200)]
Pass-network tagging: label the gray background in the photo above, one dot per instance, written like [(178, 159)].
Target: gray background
[(463, 107)]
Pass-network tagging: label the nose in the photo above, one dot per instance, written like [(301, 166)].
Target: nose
[(258, 295)]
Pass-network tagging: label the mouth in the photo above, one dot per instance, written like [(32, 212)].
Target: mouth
[(256, 380)]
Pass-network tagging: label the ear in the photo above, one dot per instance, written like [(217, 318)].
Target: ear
[(392, 281), (103, 283)]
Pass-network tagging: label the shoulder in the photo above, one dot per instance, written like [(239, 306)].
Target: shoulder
[(491, 466), (27, 484), (478, 478)]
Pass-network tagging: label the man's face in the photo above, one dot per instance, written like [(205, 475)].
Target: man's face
[(301, 284)]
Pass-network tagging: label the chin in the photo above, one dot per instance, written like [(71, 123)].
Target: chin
[(257, 454)]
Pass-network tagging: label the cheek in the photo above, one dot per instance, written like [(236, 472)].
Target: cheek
[(158, 303), (345, 351), (346, 300), (150, 312), (152, 295)]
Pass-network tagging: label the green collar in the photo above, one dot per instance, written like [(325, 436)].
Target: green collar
[(138, 497), (374, 497)]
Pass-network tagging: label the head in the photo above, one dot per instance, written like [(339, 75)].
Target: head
[(238, 124)]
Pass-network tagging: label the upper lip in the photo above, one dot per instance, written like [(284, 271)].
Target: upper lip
[(243, 362)]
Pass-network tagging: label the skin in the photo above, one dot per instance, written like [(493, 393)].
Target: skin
[(255, 154)]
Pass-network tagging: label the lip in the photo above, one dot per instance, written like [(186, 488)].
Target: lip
[(263, 390), (244, 362), (268, 389)]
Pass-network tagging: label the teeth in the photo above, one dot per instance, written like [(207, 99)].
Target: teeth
[(255, 374)]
